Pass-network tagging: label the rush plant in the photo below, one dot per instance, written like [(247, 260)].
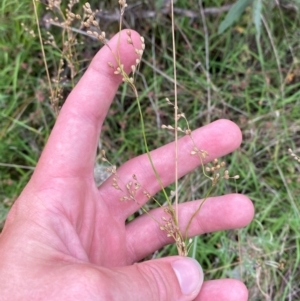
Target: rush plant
[(87, 23)]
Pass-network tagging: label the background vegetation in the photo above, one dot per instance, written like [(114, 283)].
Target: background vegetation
[(250, 78)]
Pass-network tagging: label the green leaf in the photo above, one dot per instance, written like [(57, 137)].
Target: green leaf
[(256, 15), (234, 13)]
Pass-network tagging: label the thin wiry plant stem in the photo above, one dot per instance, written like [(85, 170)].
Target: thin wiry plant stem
[(153, 43), (147, 148), (17, 166), (82, 32), (208, 82), (137, 14), (276, 55), (240, 254), (291, 197), (194, 144), (208, 193), (43, 53), (152, 217), (195, 240), (119, 39), (286, 32), (175, 111)]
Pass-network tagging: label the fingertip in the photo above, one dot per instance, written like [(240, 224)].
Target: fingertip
[(236, 290), (218, 138), (230, 211), (246, 208), (241, 292), (224, 289), (119, 48), (232, 129), (237, 207)]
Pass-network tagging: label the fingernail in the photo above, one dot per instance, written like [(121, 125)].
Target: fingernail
[(189, 274)]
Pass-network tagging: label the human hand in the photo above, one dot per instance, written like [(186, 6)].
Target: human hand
[(66, 239)]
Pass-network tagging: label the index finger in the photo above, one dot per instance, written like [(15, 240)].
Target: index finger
[(71, 148)]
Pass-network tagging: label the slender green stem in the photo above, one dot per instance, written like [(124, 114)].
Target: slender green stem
[(175, 110), (43, 52), (119, 39), (198, 209), (147, 149)]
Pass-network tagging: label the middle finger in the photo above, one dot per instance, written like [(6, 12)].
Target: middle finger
[(218, 139)]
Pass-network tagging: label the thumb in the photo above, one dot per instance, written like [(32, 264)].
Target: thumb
[(173, 278)]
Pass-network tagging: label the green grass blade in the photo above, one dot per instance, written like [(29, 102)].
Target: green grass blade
[(234, 13)]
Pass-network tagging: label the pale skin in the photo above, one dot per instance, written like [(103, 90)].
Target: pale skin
[(66, 239)]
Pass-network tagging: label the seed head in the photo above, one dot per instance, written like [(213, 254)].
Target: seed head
[(133, 68)]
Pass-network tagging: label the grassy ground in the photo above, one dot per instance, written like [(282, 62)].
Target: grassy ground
[(25, 121), (254, 83)]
